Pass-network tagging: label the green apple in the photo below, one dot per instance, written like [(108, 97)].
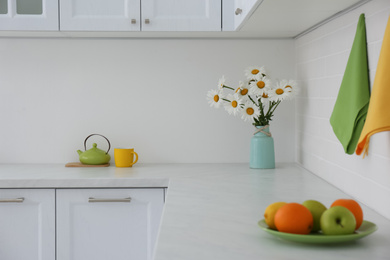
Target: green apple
[(316, 208), (337, 220)]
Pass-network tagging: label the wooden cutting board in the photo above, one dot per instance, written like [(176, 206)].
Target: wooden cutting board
[(79, 164)]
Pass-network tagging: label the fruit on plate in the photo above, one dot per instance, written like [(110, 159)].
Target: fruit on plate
[(354, 207), (337, 220), (270, 211), (316, 208), (294, 218)]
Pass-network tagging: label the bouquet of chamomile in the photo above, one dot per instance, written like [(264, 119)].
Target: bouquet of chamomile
[(255, 99)]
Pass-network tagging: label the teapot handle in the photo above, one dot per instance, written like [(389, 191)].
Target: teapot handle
[(85, 142)]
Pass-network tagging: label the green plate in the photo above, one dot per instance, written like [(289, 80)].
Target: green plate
[(318, 238)]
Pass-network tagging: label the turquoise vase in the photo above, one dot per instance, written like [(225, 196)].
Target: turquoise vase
[(262, 155)]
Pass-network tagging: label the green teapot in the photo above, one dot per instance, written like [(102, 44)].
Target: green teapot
[(94, 156)]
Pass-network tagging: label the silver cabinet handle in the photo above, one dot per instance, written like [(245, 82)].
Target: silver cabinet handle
[(133, 21), (147, 21), (17, 200), (238, 11), (109, 200)]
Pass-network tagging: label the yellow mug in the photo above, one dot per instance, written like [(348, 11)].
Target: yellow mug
[(124, 157)]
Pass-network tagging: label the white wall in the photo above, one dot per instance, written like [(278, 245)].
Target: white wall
[(144, 93), (321, 60)]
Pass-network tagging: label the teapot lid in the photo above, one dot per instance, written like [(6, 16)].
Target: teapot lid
[(95, 151)]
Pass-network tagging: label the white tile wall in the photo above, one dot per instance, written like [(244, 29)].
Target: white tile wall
[(321, 57)]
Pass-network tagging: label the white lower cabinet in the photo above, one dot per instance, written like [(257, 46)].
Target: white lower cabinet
[(27, 224), (102, 224), (79, 224)]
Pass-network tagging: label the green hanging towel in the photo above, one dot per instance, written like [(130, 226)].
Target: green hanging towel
[(350, 109)]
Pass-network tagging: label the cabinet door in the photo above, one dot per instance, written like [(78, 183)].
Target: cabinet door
[(178, 15), (103, 224), (27, 224), (100, 15), (243, 9), (39, 15)]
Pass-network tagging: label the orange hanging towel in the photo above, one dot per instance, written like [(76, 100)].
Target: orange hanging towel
[(378, 115)]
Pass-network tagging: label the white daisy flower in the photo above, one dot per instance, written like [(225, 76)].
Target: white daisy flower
[(242, 90), (221, 83), (250, 111), (290, 86), (265, 98), (260, 86), (215, 98), (233, 107), (279, 93), (254, 72)]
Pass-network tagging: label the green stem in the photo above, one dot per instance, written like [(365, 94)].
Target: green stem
[(253, 101), (261, 108), (228, 87), (272, 107), (276, 105)]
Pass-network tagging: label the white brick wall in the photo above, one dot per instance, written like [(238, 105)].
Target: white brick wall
[(321, 58)]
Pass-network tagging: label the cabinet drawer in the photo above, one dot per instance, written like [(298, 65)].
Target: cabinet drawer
[(108, 223)]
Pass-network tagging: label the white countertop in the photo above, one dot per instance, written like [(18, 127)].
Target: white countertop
[(212, 210)]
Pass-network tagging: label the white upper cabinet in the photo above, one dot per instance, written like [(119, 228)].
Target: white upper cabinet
[(230, 18), (144, 15), (243, 10), (178, 15), (100, 15), (35, 15)]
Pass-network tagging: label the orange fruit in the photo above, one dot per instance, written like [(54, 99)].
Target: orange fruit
[(294, 218), (354, 207), (270, 211)]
